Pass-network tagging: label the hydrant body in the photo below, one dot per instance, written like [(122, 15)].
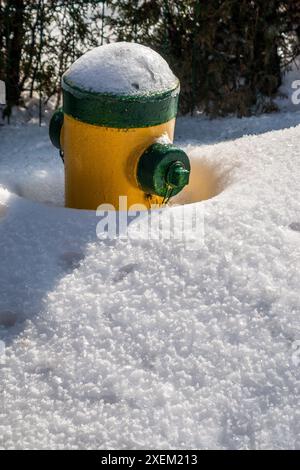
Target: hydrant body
[(91, 180), (117, 126)]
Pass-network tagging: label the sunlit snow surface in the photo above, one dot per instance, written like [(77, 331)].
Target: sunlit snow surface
[(147, 344)]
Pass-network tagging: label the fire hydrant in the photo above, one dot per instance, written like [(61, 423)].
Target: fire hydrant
[(116, 128)]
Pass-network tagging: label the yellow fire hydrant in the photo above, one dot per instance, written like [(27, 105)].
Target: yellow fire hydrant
[(116, 128)]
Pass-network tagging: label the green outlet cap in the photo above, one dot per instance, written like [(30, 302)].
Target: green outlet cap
[(55, 126), (161, 167)]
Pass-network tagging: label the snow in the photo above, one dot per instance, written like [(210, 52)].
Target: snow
[(121, 68), (147, 343)]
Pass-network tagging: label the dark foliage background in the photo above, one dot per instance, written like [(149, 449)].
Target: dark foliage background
[(228, 54)]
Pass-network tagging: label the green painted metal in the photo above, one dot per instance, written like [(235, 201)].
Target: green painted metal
[(120, 111), (161, 167), (55, 126), (178, 175)]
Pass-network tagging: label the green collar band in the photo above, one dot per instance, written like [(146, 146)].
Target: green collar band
[(120, 111)]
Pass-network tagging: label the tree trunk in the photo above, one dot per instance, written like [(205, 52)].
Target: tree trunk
[(1, 41), (14, 33)]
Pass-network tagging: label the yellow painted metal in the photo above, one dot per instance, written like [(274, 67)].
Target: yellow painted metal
[(101, 162)]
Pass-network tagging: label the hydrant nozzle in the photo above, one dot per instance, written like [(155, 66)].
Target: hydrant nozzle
[(163, 166), (55, 127)]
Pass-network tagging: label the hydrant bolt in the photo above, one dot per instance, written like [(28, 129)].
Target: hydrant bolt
[(177, 175)]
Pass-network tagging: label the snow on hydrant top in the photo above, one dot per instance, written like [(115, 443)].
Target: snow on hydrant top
[(121, 68)]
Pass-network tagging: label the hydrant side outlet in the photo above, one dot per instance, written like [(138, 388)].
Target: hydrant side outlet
[(55, 127), (163, 166)]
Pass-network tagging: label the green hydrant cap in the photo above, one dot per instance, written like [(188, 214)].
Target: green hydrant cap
[(121, 85), (163, 167)]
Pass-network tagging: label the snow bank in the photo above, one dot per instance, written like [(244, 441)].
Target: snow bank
[(133, 344), (121, 68)]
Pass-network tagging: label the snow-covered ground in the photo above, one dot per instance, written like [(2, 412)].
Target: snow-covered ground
[(145, 343)]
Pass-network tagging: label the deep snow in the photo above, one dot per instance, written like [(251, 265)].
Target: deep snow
[(145, 343)]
